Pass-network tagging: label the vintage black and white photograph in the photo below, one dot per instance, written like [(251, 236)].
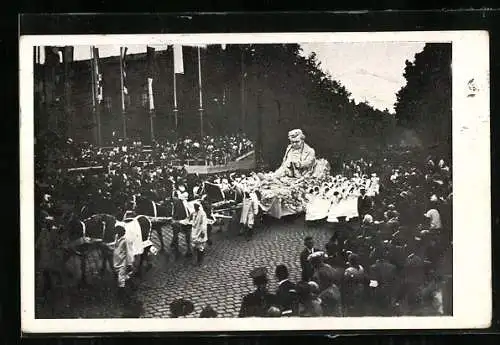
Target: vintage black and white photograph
[(248, 179)]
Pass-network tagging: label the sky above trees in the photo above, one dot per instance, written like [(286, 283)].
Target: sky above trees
[(371, 71)]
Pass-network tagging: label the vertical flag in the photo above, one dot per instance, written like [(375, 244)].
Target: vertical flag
[(178, 69), (178, 60), (150, 76), (98, 76), (123, 87), (97, 91), (243, 91), (123, 68), (200, 85)]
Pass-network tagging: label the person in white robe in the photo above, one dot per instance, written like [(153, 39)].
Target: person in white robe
[(121, 258), (199, 235), (250, 209)]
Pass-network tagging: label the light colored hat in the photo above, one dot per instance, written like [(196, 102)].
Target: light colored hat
[(296, 134), (315, 255), (313, 286), (367, 219)]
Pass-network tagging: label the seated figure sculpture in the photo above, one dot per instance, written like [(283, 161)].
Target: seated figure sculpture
[(283, 191), (299, 159)]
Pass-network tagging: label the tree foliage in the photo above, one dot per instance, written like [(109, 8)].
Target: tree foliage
[(424, 103), (295, 92)]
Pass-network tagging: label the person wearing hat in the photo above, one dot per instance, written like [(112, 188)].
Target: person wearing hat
[(317, 260), (353, 286), (286, 293), (309, 304), (257, 303), (365, 204), (305, 264), (383, 283), (299, 159)]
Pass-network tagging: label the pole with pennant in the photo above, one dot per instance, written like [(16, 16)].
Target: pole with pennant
[(97, 94), (178, 69), (150, 76), (123, 89), (201, 93), (243, 77)]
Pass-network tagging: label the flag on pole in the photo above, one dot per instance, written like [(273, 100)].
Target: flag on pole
[(178, 60), (123, 61), (150, 75), (98, 76)]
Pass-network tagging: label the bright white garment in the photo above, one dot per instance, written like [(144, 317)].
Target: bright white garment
[(199, 230), (133, 236), (249, 209), (317, 208), (345, 207)]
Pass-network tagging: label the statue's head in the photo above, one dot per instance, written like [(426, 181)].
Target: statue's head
[(296, 137)]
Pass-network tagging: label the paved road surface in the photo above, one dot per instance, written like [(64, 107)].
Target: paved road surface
[(221, 282)]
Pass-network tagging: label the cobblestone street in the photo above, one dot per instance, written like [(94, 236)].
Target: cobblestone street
[(221, 282)]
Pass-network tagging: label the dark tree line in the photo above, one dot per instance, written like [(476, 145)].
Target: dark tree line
[(424, 104), (293, 91)]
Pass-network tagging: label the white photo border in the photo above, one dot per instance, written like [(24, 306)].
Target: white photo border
[(472, 286)]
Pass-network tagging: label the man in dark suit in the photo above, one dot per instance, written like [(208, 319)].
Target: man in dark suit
[(286, 293), (180, 222), (365, 204), (257, 303), (383, 284), (307, 269)]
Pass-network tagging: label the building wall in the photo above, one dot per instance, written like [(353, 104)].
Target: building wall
[(217, 75)]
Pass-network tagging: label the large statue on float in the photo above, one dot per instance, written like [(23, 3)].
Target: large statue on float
[(283, 192), (300, 158)]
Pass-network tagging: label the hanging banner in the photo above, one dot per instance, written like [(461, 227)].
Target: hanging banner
[(178, 60)]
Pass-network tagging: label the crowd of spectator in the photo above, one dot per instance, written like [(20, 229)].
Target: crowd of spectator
[(78, 174), (387, 262), (392, 260)]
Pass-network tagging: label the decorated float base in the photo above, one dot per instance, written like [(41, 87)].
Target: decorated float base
[(284, 196)]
